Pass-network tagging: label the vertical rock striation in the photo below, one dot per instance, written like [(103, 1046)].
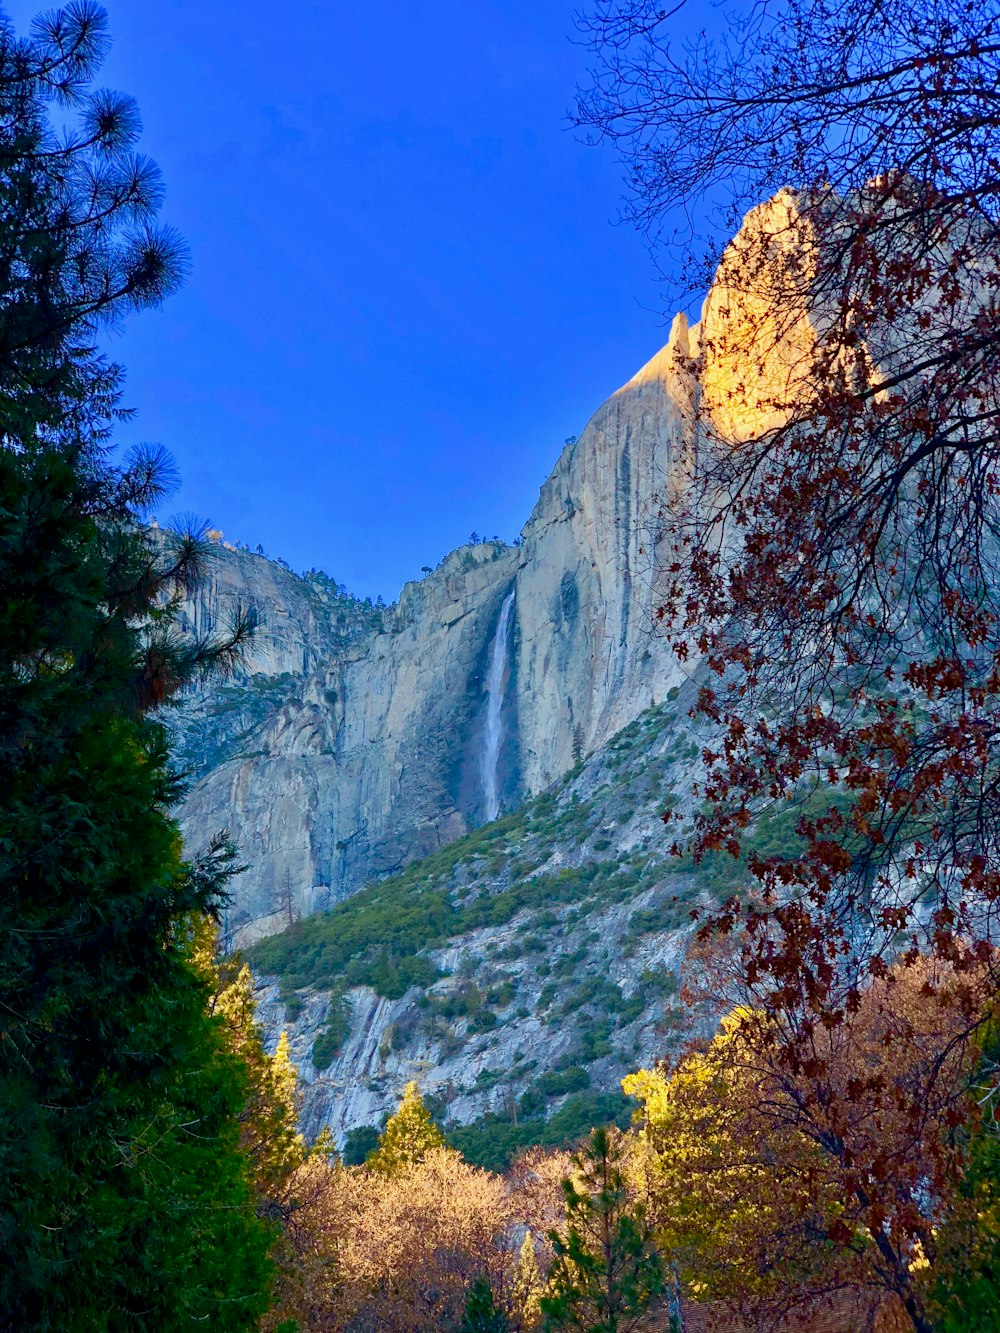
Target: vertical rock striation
[(589, 658)]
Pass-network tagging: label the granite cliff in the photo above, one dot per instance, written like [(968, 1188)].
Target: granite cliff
[(517, 965), (359, 738)]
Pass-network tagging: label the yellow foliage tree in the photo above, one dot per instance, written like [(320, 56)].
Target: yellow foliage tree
[(721, 1177), (778, 1184), (399, 1251), (269, 1135), (408, 1137), (527, 1285)]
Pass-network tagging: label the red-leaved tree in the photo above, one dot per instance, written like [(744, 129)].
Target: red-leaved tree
[(831, 554)]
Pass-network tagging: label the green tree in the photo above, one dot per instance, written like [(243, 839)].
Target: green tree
[(606, 1274), (481, 1313), (125, 1200), (966, 1289), (408, 1137), (359, 1144)]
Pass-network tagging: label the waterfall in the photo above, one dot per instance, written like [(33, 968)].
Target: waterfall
[(493, 730)]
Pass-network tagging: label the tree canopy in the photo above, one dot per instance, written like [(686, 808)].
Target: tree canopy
[(829, 548), (606, 1272)]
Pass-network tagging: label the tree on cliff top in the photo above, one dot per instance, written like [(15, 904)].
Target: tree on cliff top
[(831, 548), (124, 1199), (408, 1137)]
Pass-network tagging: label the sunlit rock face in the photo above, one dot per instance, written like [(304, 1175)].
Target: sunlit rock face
[(359, 739), (589, 656), (350, 769), (758, 335)]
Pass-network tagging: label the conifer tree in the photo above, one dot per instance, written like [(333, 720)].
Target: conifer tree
[(269, 1136), (527, 1285), (966, 1294), (125, 1201), (481, 1313), (606, 1273), (408, 1137)]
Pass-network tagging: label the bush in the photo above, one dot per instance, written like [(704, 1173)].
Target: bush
[(463, 1002), (358, 1144), (492, 1143), (484, 1021), (594, 1042), (558, 1082)]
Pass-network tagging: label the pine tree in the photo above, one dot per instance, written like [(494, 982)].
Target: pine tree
[(527, 1287), (606, 1273), (966, 1288), (125, 1200), (408, 1137), (269, 1137), (481, 1313)]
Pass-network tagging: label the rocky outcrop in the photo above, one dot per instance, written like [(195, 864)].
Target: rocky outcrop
[(555, 971), (302, 623), (355, 767)]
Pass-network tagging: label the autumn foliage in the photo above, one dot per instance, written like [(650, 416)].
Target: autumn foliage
[(778, 1191), (402, 1251)]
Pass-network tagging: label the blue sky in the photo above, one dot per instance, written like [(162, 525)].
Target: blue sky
[(407, 287)]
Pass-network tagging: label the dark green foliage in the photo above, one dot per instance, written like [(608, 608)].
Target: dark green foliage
[(334, 1033), (606, 1273), (659, 981), (492, 1142), (612, 999), (373, 939), (568, 964), (462, 1002), (593, 1041), (645, 921), (775, 833), (532, 1103), (481, 1313), (966, 1293), (557, 1082), (124, 1200), (773, 836), (359, 1143), (484, 1021), (390, 977)]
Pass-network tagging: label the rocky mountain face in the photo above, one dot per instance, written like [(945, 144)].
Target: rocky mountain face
[(523, 968), (359, 739), (515, 965)]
